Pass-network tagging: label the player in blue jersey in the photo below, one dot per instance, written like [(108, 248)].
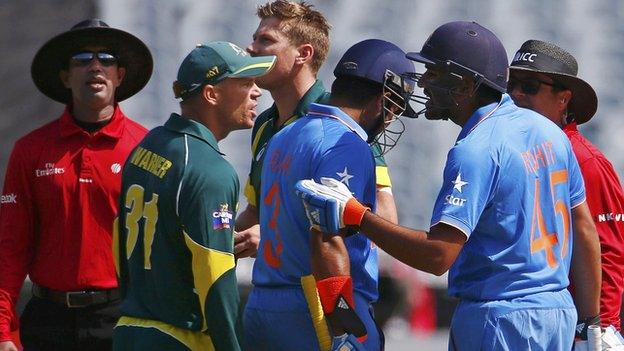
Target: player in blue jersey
[(511, 213), (284, 311)]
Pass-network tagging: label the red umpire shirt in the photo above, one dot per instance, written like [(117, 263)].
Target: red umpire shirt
[(60, 196), (605, 199)]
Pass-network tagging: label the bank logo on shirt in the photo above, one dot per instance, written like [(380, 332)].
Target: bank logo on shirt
[(222, 218), (344, 176)]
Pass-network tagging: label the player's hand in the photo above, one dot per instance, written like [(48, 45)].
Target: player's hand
[(246, 242), (7, 346), (346, 342), (330, 206)]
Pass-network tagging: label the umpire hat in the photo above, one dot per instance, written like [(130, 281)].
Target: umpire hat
[(54, 56), (549, 59)]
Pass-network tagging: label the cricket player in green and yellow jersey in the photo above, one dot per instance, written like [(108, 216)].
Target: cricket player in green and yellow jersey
[(298, 35), (174, 244)]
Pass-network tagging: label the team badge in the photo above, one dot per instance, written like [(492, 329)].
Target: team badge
[(222, 218)]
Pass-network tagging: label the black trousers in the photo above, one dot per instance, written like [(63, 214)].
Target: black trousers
[(48, 326)]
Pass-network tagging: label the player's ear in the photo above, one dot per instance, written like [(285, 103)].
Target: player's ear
[(305, 54), (210, 94)]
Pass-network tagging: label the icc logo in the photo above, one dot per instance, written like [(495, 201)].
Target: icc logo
[(115, 168), (525, 56)]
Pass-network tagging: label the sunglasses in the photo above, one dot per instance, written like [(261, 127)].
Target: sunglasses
[(530, 86), (84, 58)]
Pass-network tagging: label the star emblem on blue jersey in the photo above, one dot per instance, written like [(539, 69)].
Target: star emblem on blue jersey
[(344, 176), (458, 183)]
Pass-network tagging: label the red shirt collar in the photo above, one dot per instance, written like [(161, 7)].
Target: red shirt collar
[(114, 129), (570, 127)]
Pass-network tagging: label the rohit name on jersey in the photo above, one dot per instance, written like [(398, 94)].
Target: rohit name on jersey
[(222, 218)]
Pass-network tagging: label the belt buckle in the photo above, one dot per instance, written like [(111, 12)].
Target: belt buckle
[(68, 296)]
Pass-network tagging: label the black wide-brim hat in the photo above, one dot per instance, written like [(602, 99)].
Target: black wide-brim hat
[(54, 56), (549, 59)]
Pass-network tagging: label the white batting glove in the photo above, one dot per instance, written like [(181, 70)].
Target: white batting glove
[(330, 206)]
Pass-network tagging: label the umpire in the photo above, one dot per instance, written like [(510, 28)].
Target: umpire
[(61, 191)]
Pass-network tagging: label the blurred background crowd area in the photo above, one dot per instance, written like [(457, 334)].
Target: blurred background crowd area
[(414, 305)]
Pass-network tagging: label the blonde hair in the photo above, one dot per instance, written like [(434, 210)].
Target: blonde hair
[(301, 24)]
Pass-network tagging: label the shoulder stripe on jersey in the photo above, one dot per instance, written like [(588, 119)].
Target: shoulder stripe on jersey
[(192, 340), (250, 193), (382, 176), (256, 140), (208, 265), (185, 163)]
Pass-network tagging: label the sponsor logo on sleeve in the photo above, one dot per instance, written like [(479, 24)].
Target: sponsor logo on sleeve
[(455, 201), (458, 183), (222, 218), (8, 199)]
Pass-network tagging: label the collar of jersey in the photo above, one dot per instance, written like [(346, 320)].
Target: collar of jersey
[(114, 129), (319, 110), (180, 124), (571, 127), (316, 93), (481, 114)]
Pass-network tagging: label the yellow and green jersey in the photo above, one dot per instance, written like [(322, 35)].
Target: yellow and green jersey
[(174, 238), (265, 128)]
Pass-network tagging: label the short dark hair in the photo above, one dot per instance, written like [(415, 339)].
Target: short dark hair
[(355, 91)]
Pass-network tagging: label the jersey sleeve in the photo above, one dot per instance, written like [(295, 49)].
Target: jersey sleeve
[(252, 188), (470, 177), (577, 186), (206, 208), (16, 236), (351, 162), (382, 175)]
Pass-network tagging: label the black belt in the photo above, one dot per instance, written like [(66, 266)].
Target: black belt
[(76, 299)]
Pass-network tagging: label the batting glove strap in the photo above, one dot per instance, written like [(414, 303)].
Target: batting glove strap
[(582, 325), (336, 295), (346, 342)]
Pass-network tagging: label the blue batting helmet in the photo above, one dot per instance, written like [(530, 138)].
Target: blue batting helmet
[(382, 62), (467, 48)]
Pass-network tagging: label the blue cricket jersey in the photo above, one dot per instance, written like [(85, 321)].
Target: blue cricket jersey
[(510, 183), (324, 143)]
